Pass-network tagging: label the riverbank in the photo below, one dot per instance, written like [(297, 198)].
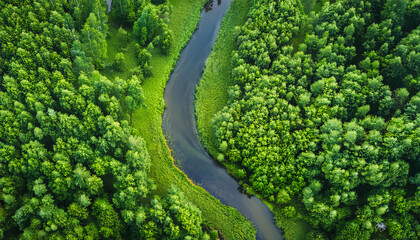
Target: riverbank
[(212, 91), (148, 121), (212, 96)]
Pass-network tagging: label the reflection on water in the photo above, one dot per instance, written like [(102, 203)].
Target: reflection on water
[(209, 5), (242, 190)]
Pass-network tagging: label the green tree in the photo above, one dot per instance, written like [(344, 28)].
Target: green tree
[(146, 24), (108, 220), (124, 35), (94, 41), (119, 62), (134, 98)]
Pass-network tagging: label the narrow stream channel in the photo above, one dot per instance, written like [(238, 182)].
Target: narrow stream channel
[(109, 2), (179, 126)]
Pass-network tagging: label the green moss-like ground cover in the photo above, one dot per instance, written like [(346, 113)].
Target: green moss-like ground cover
[(115, 45), (148, 121)]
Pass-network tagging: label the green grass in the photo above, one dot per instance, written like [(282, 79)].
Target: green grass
[(212, 92), (116, 44), (294, 228), (148, 121)]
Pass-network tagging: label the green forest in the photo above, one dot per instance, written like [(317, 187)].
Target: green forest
[(312, 105), (323, 116)]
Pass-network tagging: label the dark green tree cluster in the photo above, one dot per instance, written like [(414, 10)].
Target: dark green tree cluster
[(151, 26), (149, 20), (71, 167), (81, 10), (126, 11), (89, 34), (171, 218), (332, 125), (144, 56)]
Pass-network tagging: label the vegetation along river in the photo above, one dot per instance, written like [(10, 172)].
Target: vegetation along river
[(179, 126)]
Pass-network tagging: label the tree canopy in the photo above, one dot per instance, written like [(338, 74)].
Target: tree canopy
[(327, 127), (71, 166)]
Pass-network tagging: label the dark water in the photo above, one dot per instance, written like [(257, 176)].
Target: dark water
[(109, 4), (179, 126)]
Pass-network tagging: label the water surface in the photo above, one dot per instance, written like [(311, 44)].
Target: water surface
[(179, 126), (109, 4)]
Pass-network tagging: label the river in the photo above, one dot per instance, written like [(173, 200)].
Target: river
[(179, 126), (108, 2)]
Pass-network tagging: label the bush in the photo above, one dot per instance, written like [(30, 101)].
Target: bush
[(214, 234), (119, 62)]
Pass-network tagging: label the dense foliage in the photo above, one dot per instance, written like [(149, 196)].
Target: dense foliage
[(149, 21), (329, 128), (71, 167)]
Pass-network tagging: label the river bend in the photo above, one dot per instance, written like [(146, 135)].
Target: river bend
[(179, 126)]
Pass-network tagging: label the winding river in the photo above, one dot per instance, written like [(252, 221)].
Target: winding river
[(179, 126)]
